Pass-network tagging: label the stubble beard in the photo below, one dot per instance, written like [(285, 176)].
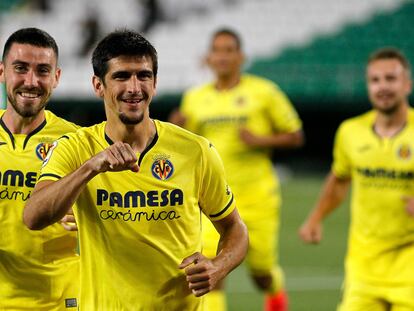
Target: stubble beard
[(130, 121), (26, 111)]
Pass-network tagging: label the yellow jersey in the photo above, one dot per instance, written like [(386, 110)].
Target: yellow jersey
[(38, 269), (256, 104), (135, 228), (382, 173)]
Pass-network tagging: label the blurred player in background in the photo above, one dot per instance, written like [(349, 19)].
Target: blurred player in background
[(38, 270), (375, 152), (141, 185), (245, 116)]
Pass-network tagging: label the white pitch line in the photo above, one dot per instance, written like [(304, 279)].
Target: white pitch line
[(299, 284)]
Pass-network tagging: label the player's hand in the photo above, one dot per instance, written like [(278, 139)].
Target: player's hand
[(249, 138), (409, 205), (202, 275), (311, 232), (115, 158), (68, 221)]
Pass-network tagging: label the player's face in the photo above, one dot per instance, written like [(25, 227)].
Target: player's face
[(388, 84), (225, 57), (30, 74), (128, 89)]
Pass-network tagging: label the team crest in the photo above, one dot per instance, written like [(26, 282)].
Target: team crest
[(42, 149), (240, 101), (48, 153), (404, 152), (162, 168)]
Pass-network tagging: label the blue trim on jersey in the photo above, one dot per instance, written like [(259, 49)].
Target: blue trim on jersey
[(26, 140), (225, 209), (3, 125), (51, 175), (141, 156), (154, 141), (36, 130)]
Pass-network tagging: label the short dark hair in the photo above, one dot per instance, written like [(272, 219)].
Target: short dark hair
[(229, 32), (122, 43), (390, 53), (32, 36)]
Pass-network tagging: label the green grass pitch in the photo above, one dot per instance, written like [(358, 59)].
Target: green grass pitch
[(314, 273)]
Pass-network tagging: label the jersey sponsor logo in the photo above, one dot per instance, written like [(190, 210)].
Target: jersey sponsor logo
[(224, 120), (16, 178), (49, 153), (134, 199), (162, 168), (138, 198), (42, 149), (404, 152), (380, 172)]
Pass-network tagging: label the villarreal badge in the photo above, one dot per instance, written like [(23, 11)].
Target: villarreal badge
[(404, 152), (162, 167), (42, 149)]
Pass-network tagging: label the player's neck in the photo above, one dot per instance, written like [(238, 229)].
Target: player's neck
[(138, 136), (388, 125), (227, 82), (22, 125)]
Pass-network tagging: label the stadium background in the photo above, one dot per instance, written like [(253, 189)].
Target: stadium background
[(315, 50)]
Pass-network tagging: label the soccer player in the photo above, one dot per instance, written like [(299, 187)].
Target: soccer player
[(374, 154), (244, 116), (141, 187), (38, 270)]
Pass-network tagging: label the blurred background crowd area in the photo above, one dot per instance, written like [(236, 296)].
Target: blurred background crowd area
[(315, 51)]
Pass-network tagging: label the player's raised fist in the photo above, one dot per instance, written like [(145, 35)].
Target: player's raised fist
[(115, 158)]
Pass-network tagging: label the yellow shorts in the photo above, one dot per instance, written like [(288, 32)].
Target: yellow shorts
[(263, 228), (360, 296)]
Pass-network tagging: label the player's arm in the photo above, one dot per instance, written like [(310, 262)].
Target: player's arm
[(275, 140), (51, 200), (203, 273), (332, 195), (409, 204)]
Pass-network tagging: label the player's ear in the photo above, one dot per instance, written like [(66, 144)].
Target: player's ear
[(1, 72), (58, 72), (206, 60), (98, 86), (155, 85)]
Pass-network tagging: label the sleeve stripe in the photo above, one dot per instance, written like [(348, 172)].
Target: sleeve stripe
[(50, 175), (224, 209)]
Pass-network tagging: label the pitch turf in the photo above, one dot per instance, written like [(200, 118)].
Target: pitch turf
[(314, 274)]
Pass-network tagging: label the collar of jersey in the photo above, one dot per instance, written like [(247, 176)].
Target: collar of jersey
[(26, 140), (148, 148)]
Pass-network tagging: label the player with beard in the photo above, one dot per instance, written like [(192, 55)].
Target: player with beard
[(38, 270), (374, 154), (141, 186)]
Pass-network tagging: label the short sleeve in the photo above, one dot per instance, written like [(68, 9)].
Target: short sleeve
[(216, 199), (284, 116), (60, 160), (341, 165)]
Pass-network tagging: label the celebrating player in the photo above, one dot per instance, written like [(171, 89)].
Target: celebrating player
[(38, 270), (244, 116), (141, 186), (375, 152)]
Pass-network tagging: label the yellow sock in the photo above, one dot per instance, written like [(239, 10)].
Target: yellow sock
[(215, 301), (278, 281)]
